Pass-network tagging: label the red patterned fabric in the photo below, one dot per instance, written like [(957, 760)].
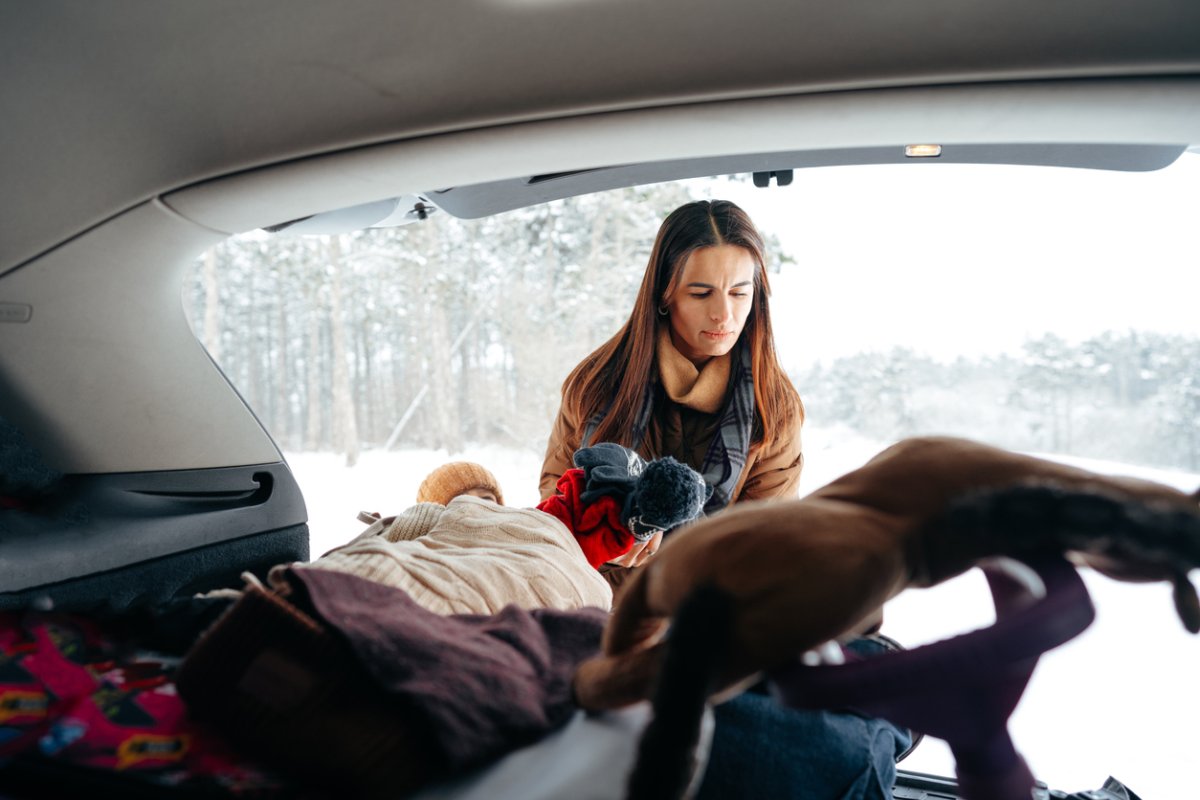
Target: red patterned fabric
[(596, 525), (69, 693)]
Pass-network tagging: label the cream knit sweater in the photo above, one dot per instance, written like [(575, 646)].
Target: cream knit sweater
[(474, 557)]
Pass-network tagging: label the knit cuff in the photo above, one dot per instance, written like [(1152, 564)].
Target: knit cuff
[(414, 523), (642, 531)]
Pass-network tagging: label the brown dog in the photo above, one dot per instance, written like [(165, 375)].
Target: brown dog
[(804, 572)]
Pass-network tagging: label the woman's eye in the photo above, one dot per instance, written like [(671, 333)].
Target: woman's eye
[(699, 295)]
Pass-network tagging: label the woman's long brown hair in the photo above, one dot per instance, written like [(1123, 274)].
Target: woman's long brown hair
[(612, 380)]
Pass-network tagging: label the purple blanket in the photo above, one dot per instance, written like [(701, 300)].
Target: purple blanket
[(487, 684)]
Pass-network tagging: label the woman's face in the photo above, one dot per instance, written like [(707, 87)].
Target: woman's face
[(709, 306)]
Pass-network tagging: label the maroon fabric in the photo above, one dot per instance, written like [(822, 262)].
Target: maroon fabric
[(487, 684)]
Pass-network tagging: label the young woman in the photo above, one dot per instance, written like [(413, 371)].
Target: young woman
[(693, 372)]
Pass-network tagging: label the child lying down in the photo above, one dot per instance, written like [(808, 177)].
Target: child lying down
[(460, 550)]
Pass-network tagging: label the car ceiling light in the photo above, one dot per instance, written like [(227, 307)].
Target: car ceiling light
[(922, 150)]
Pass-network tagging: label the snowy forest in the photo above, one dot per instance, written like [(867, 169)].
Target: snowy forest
[(1132, 397), (453, 332)]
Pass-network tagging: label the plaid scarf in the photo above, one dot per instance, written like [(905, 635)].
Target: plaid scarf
[(730, 447)]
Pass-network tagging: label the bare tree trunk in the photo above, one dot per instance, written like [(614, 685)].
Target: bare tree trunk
[(313, 359), (596, 243), (212, 297), (254, 344), (282, 427), (312, 366), (445, 410), (416, 401), (472, 383), (345, 425), (364, 383)]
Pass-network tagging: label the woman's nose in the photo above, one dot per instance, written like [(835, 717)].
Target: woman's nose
[(721, 310)]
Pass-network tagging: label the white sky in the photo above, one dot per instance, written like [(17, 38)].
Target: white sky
[(958, 259)]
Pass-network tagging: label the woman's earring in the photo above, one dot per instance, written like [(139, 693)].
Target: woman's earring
[(662, 311)]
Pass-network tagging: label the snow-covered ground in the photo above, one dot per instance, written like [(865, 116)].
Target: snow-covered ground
[(1117, 700)]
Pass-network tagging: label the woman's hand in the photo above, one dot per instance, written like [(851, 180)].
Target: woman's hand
[(640, 552)]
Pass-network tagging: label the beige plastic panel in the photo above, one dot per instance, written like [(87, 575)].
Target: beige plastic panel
[(107, 104), (1142, 111), (106, 375)]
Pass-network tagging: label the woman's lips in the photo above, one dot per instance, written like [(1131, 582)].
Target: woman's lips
[(716, 336)]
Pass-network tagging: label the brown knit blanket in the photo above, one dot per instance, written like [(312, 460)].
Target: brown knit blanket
[(351, 682)]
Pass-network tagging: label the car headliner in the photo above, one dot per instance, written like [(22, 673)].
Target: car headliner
[(137, 134), (106, 105)]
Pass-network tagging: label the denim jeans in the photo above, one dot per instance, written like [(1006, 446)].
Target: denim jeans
[(762, 749)]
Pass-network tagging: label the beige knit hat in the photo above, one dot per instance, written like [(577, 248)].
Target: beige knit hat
[(458, 477)]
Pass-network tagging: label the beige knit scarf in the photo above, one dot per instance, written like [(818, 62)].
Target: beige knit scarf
[(701, 389)]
